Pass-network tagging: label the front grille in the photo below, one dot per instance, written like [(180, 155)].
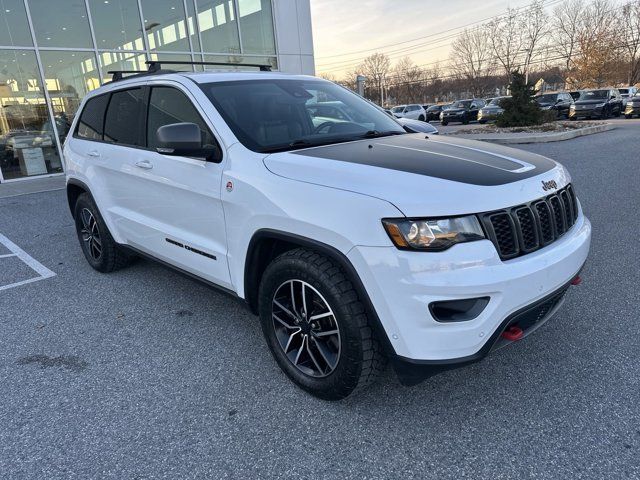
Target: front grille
[(526, 228), (538, 312)]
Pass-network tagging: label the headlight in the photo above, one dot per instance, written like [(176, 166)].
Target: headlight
[(546, 107), (432, 234), (601, 104)]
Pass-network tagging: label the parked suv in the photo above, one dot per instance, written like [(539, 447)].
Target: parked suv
[(433, 112), (463, 111), (633, 106), (355, 242), (491, 110), (559, 102), (601, 103), (415, 112)]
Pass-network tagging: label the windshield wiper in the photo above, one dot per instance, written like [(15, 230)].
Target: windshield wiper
[(376, 134)]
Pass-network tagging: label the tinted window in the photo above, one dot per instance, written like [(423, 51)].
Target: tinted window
[(168, 105), (91, 121), (123, 117)]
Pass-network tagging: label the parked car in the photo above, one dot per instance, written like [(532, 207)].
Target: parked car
[(491, 110), (426, 107), (601, 103), (633, 106), (559, 102), (575, 94), (463, 111), (354, 242), (413, 111), (433, 112), (626, 93)]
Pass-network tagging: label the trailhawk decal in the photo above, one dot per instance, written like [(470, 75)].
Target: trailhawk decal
[(487, 166)]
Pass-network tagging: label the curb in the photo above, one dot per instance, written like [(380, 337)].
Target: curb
[(540, 138)]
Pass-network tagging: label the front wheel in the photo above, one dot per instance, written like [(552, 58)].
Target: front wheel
[(628, 116), (421, 118), (316, 326), (444, 123)]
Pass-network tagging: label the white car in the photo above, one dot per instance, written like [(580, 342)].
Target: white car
[(355, 243), (414, 112), (626, 93)]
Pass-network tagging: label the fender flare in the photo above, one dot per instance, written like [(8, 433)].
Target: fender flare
[(250, 271)]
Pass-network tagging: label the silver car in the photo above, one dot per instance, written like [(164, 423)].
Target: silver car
[(491, 110)]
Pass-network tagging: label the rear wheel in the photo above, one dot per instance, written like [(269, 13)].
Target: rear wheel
[(628, 116), (316, 326), (98, 246), (421, 118), (444, 123)]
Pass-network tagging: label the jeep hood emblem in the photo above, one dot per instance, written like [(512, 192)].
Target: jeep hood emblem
[(550, 185)]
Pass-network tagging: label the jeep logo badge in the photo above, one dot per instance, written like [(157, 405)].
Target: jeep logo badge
[(550, 185)]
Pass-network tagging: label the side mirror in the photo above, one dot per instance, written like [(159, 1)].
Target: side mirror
[(185, 140)]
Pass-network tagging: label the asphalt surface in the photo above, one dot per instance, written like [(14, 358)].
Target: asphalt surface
[(147, 374)]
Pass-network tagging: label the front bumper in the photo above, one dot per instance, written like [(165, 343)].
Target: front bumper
[(586, 112), (632, 109), (452, 117), (488, 115), (402, 284)]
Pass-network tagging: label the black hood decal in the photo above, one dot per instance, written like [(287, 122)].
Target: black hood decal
[(452, 159)]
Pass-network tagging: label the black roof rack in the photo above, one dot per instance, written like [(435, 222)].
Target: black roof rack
[(155, 67)]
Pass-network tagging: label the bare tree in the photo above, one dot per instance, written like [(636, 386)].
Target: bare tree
[(507, 39), (406, 82), (535, 30), (631, 12), (566, 26), (471, 60), (375, 67)]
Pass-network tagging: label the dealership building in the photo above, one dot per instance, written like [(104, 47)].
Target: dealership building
[(52, 52)]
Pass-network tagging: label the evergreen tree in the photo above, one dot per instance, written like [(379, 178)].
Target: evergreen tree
[(521, 109)]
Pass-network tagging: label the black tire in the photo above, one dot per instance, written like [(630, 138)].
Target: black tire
[(111, 257), (573, 119), (482, 122), (359, 359), (618, 113), (465, 120), (628, 116), (444, 123), (421, 118)]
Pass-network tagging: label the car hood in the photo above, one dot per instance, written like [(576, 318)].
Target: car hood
[(425, 177), (546, 104), (590, 102), (454, 110)]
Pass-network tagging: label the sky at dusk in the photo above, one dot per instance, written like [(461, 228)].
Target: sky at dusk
[(346, 26)]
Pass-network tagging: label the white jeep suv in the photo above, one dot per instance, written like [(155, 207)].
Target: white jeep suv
[(355, 242)]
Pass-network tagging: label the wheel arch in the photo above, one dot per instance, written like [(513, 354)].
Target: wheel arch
[(75, 188), (267, 244)]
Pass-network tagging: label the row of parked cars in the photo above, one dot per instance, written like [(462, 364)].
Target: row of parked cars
[(593, 103)]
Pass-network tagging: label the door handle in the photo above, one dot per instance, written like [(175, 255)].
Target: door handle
[(93, 153), (146, 164)]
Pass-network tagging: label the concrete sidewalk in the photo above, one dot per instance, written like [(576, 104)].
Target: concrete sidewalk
[(523, 138), (34, 185)]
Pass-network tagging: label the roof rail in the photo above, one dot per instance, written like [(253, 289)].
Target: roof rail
[(155, 67), (157, 64)]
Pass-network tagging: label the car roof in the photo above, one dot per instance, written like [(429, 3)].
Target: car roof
[(199, 78)]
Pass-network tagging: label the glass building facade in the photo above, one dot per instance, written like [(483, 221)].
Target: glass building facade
[(52, 52)]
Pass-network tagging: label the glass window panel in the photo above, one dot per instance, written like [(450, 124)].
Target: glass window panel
[(91, 123), (27, 144), (167, 106), (174, 57), (124, 111), (218, 26), (68, 77), (120, 61), (14, 28), (63, 25), (116, 24), (165, 24), (256, 25), (192, 23)]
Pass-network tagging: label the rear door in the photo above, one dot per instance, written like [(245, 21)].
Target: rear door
[(176, 212)]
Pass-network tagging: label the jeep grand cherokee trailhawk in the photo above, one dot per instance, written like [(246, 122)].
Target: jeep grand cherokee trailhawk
[(354, 241)]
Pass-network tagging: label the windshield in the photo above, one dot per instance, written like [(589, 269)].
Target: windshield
[(397, 109), (624, 91), (269, 115), (433, 107), (549, 98), (460, 104), (497, 102), (594, 95)]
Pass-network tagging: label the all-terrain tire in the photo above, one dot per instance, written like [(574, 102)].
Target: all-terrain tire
[(105, 255), (360, 358)]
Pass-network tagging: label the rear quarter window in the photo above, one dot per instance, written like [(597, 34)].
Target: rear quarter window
[(91, 123)]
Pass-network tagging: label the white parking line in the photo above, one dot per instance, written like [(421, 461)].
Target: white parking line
[(32, 263)]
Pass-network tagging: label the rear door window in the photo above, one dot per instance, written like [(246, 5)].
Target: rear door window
[(122, 124), (91, 123)]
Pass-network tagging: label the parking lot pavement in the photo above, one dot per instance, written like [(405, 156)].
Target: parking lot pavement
[(146, 374)]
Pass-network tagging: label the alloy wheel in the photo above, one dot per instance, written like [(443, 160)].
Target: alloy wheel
[(306, 328), (90, 234)]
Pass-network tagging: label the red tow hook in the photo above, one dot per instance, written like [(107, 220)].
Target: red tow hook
[(513, 333), (577, 280)]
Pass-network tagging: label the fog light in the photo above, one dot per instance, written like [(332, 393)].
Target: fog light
[(458, 310)]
